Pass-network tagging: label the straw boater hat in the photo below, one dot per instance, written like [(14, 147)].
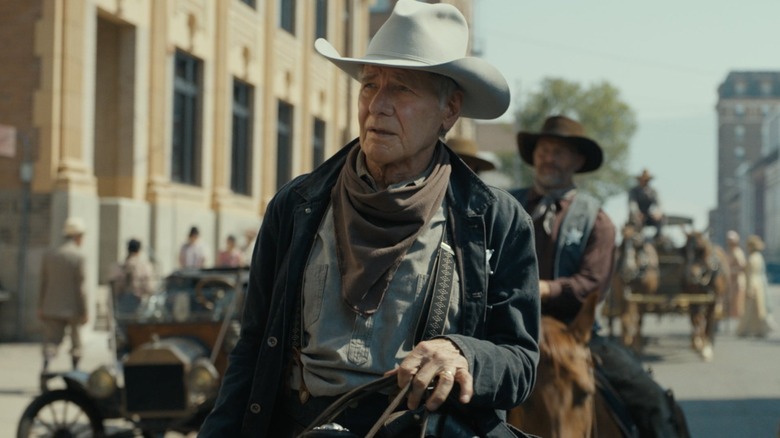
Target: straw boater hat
[(570, 131), (754, 243), (73, 227), (467, 150), (644, 176), (432, 38)]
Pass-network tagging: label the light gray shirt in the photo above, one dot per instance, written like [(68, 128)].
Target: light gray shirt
[(342, 349)]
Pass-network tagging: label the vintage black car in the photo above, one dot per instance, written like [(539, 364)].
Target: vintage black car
[(171, 351)]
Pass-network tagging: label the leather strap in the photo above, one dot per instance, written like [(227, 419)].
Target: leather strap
[(438, 301), (357, 394), (389, 411)]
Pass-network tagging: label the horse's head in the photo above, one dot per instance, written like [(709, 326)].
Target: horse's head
[(700, 263), (635, 256), (561, 404)]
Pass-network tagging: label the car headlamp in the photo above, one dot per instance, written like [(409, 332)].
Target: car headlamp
[(203, 378), (101, 382)]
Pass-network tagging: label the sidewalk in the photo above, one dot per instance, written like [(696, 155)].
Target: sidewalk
[(20, 367)]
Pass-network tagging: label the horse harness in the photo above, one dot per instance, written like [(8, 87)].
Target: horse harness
[(712, 267)]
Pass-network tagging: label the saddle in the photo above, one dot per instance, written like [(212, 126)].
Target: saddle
[(617, 409)]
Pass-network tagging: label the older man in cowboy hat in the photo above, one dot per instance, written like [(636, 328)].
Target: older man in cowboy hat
[(575, 242), (62, 303), (392, 256), (644, 208)]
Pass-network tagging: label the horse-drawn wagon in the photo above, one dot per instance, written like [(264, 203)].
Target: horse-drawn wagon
[(676, 272)]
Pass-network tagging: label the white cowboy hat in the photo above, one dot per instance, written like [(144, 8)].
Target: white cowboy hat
[(73, 227), (432, 38)]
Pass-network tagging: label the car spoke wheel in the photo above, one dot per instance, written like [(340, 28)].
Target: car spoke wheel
[(60, 414)]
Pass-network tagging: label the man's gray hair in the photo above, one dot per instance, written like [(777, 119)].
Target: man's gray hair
[(446, 88)]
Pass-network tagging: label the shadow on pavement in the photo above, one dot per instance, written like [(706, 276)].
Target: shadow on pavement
[(716, 418)]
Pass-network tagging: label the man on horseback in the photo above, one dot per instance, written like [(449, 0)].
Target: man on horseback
[(392, 234), (644, 208), (574, 245)]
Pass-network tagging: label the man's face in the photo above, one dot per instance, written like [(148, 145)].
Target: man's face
[(400, 116), (555, 163)]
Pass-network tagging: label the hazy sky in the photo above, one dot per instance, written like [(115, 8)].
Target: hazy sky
[(666, 57)]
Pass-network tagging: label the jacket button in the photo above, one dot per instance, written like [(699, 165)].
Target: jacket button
[(307, 210), (272, 341), (255, 408)]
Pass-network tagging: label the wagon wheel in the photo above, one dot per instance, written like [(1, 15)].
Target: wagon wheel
[(61, 414), (212, 282)]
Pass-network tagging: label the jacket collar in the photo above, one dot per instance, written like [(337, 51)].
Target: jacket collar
[(467, 193)]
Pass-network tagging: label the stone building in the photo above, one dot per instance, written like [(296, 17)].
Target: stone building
[(147, 117)]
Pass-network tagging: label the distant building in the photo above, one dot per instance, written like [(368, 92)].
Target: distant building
[(746, 104), (770, 165), (147, 117)]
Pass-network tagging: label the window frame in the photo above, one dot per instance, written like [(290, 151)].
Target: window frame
[(241, 138), (319, 130), (287, 13), (186, 147), (285, 131)]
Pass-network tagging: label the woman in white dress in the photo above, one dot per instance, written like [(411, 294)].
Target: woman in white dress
[(755, 319)]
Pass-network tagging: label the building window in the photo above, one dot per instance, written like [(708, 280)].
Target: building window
[(287, 15), (346, 17), (284, 139), (321, 29), (739, 134), (766, 88), (740, 87), (241, 147), (318, 142), (380, 6), (185, 154), (739, 110)]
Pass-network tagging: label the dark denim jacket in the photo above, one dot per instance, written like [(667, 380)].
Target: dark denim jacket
[(499, 297)]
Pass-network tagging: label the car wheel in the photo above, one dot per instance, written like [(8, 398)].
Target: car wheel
[(60, 414)]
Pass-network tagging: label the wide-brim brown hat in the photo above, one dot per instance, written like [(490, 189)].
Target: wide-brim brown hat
[(432, 38), (467, 150), (644, 176), (567, 129)]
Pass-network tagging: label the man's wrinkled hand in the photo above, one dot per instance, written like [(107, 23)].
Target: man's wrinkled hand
[(438, 363)]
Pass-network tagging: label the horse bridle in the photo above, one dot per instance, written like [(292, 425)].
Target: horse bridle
[(711, 267)]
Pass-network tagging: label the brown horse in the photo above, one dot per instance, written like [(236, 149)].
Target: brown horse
[(706, 272), (564, 403), (636, 271)]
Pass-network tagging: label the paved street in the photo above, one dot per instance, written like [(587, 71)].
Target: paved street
[(735, 395), (20, 364)]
